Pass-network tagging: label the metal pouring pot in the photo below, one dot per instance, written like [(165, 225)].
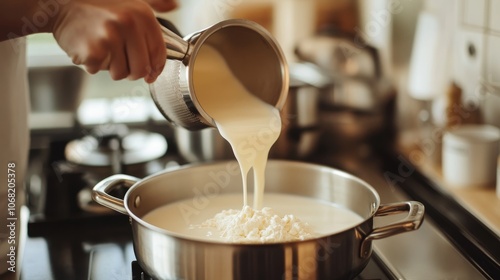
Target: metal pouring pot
[(251, 53), (165, 254)]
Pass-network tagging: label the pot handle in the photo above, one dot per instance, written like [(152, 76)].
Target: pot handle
[(411, 222), (177, 48), (100, 192)]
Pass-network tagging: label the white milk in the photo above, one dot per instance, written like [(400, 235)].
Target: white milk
[(323, 218), (250, 125)]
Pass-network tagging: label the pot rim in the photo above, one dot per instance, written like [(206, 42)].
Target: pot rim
[(375, 206)]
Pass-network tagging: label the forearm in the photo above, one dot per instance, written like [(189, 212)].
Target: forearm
[(23, 17), (122, 36)]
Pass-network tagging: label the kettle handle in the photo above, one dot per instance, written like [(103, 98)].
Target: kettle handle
[(101, 191), (177, 47)]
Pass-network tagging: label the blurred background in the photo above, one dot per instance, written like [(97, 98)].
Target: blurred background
[(349, 40)]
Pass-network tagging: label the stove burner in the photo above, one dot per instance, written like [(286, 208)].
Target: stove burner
[(116, 146)]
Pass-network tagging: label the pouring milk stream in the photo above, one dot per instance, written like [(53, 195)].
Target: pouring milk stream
[(251, 126)]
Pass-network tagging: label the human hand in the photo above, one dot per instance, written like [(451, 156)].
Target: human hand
[(162, 5), (122, 36)]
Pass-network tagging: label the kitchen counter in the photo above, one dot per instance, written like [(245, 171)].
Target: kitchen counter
[(481, 202), (406, 254)]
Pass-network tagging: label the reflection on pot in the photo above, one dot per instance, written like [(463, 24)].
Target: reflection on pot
[(202, 145), (55, 89)]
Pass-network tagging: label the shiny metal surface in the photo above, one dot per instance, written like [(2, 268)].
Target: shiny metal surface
[(300, 120), (202, 145), (412, 221), (55, 89), (251, 53), (167, 255), (177, 48), (429, 246), (341, 57), (100, 192)]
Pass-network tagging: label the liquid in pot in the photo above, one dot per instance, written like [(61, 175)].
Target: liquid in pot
[(323, 218)]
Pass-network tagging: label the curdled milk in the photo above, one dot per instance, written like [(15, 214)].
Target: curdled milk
[(323, 218)]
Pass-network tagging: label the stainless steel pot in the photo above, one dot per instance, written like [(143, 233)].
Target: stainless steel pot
[(252, 54), (202, 145), (56, 88), (167, 255)]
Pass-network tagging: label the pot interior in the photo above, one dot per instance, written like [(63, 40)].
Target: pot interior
[(204, 181)]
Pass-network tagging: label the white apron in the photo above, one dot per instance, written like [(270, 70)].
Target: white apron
[(14, 141)]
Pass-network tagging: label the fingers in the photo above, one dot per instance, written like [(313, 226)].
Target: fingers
[(146, 53), (157, 53), (124, 39), (137, 47), (107, 53), (137, 54), (138, 59), (93, 56), (162, 5), (118, 67)]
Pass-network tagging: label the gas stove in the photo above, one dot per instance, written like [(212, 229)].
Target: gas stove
[(68, 241)]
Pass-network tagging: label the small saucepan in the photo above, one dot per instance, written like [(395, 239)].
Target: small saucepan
[(250, 51), (168, 255)]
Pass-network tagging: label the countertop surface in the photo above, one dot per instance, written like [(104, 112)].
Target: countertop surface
[(482, 202), (406, 254)]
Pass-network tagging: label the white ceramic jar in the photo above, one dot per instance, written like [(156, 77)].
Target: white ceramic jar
[(470, 155)]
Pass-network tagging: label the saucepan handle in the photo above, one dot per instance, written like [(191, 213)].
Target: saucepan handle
[(411, 222), (101, 191), (177, 47)]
